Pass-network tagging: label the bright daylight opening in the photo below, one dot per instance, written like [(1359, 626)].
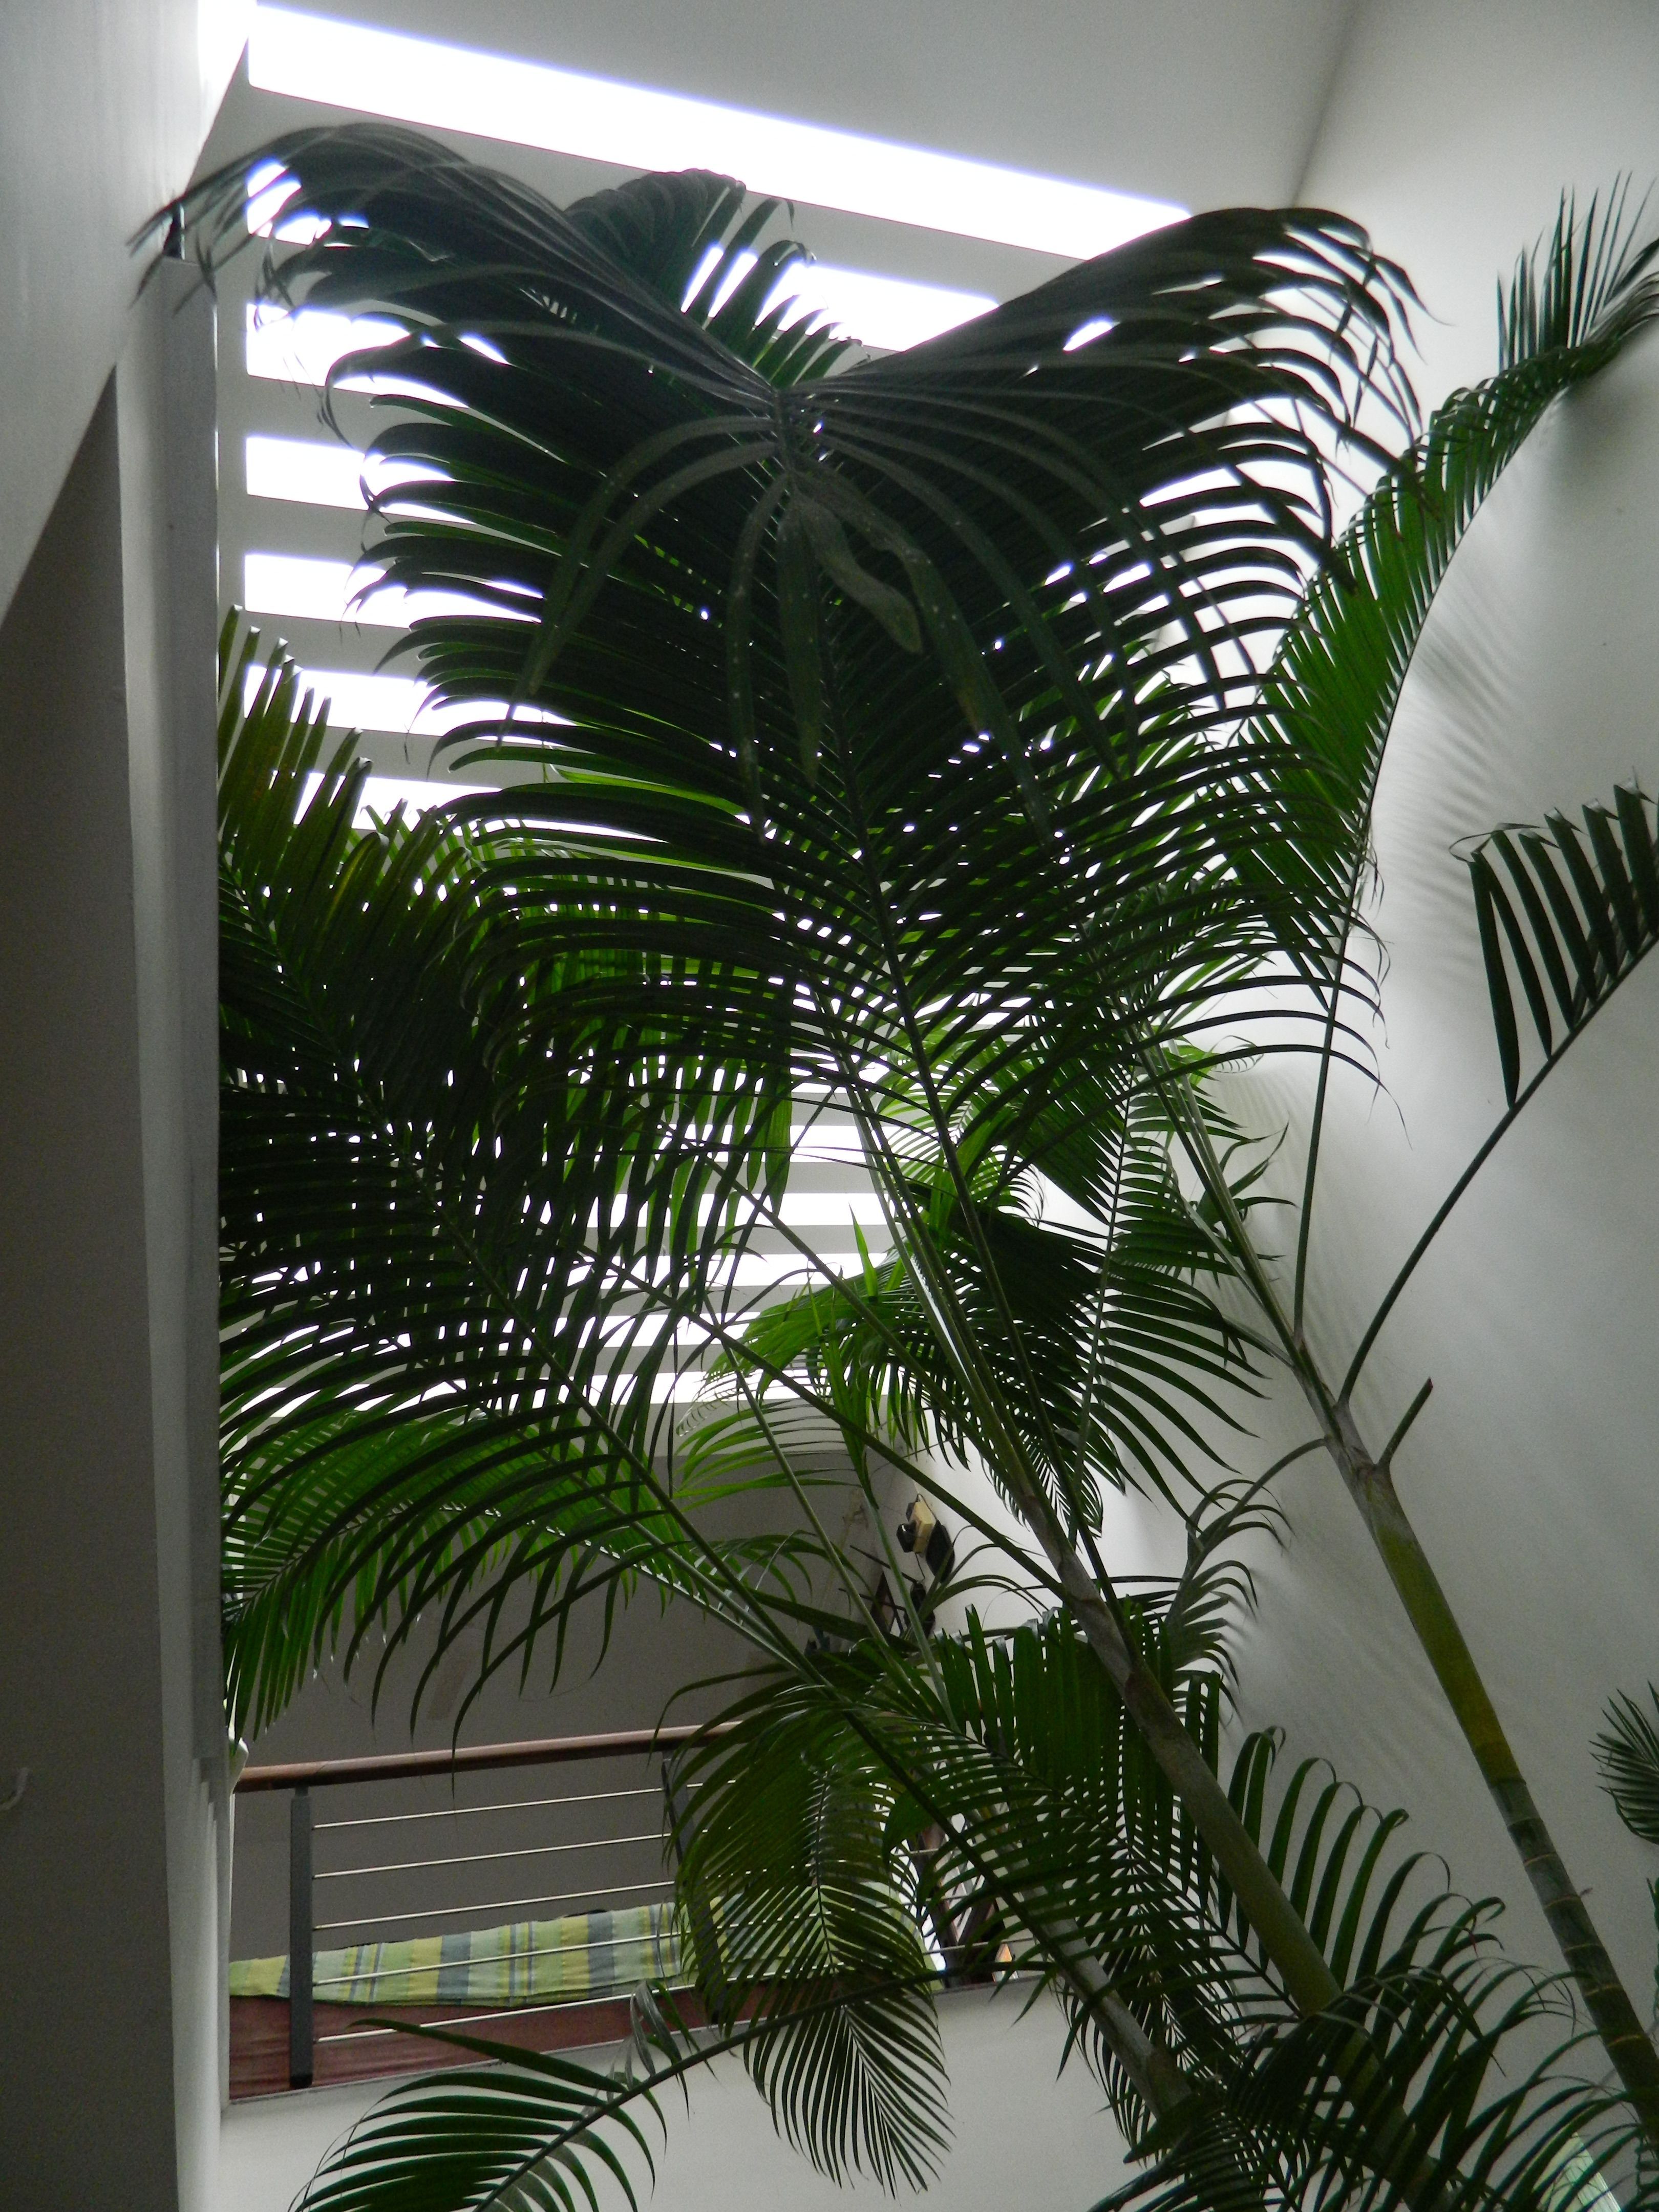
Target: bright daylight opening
[(307, 470), (343, 591), (382, 794), (399, 705), (449, 87), (890, 313)]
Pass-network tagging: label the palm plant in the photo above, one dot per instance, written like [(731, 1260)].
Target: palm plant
[(1627, 1751), (967, 742)]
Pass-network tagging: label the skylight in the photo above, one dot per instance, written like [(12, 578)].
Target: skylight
[(381, 794), (298, 585), (301, 349), (402, 706), (450, 88), (888, 312), (321, 472)]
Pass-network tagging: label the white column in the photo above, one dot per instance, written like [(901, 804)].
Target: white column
[(108, 1629)]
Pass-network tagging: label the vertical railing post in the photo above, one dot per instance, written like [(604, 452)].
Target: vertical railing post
[(711, 1980), (299, 2060)]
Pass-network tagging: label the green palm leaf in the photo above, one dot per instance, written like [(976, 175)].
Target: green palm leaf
[(1047, 1825), (531, 2134), (1335, 683), (801, 1886), (1627, 1753), (798, 1927), (1585, 910), (508, 1092), (425, 1374), (1128, 1351), (626, 461)]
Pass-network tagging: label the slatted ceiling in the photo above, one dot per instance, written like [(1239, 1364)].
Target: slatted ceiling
[(291, 505), (292, 519), (456, 87)]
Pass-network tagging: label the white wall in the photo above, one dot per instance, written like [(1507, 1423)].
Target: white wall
[(1450, 129), (1201, 105), (108, 1572), (1532, 1475), (1019, 2137), (113, 1864), (165, 388), (103, 105)]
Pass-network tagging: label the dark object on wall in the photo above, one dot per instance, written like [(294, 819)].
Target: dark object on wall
[(921, 1533)]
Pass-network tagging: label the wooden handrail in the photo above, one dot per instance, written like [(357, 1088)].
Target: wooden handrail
[(470, 1758)]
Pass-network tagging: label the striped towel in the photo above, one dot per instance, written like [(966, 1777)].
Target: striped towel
[(586, 1955)]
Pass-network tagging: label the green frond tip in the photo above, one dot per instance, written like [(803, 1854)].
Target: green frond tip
[(1627, 1754), (526, 2130), (1331, 698), (1571, 914), (1588, 281)]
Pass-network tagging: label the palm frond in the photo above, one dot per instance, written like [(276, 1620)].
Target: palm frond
[(1574, 304), (1588, 913), (1137, 1368), (523, 2133), (798, 1924), (1586, 284), (1061, 532), (1022, 1809), (1627, 1753), (431, 1371)]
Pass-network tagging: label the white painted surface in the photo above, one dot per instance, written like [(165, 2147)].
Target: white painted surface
[(1451, 131), (1200, 104), (103, 105), (640, 123), (1021, 2136), (164, 386), (1532, 1474), (108, 1350)]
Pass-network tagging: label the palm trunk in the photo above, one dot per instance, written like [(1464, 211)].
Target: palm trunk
[(1280, 1927), (1371, 1486), (1606, 1999), (1311, 1985)]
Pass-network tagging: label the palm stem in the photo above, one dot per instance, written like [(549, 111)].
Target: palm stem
[(1282, 1934), (1312, 1985), (1370, 1484), (1436, 1627), (1277, 1923), (1156, 2073)]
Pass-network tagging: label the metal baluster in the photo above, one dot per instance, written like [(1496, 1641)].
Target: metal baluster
[(300, 2058), (682, 1818)]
